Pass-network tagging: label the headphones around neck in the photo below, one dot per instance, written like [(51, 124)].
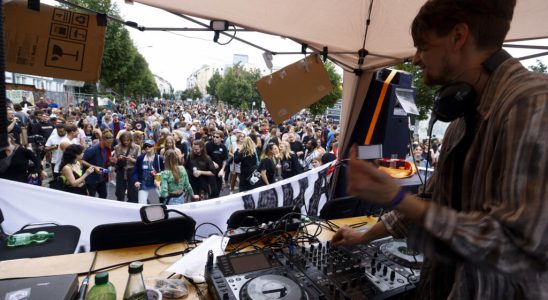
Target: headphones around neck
[(456, 99)]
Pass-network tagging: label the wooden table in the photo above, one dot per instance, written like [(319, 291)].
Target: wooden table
[(80, 263)]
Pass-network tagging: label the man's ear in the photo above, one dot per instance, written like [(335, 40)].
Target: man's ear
[(461, 35)]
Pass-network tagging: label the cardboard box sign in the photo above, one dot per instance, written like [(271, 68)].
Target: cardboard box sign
[(53, 42), (288, 90)]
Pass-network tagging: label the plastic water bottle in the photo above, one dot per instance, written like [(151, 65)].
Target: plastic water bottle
[(23, 239), (135, 288), (103, 289)]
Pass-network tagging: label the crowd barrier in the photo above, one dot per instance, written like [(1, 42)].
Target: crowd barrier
[(23, 204)]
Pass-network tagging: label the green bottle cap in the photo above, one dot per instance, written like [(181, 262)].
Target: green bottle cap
[(101, 278), (135, 267)]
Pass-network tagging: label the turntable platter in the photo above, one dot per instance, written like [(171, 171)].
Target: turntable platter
[(398, 252), (267, 287)]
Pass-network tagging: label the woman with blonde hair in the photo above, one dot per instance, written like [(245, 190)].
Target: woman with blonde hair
[(174, 185), (169, 144), (235, 168), (267, 166), (247, 157), (289, 161)]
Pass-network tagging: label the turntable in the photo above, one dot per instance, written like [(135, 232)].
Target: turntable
[(272, 287), (398, 252)]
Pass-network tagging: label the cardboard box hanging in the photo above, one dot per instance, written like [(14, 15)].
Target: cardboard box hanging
[(53, 42), (288, 90)]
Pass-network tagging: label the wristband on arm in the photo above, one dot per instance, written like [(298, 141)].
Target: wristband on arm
[(398, 198)]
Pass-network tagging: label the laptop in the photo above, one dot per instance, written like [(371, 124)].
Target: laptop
[(62, 287)]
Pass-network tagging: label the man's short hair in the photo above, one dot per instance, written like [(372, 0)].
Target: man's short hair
[(488, 20)]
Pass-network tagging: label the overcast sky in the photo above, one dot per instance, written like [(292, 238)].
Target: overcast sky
[(175, 55)]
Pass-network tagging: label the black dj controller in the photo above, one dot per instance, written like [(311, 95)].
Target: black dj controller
[(380, 270)]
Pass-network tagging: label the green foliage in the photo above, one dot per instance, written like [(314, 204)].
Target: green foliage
[(212, 84), (123, 68), (328, 101), (540, 67), (193, 93), (237, 87), (424, 94)]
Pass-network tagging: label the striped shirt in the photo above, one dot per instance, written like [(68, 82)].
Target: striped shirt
[(492, 242)]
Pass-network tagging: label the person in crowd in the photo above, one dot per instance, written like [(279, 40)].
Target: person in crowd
[(99, 157), (138, 138), (17, 163), (52, 146), (235, 168), (481, 221), (15, 127), (42, 125), (91, 119), (316, 162), (289, 161), (170, 144), (267, 165), (181, 145), (313, 150), (73, 178), (92, 134), (248, 159), (147, 166), (174, 185), (126, 154), (219, 154), (203, 171)]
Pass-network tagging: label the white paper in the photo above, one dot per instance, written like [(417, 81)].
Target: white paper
[(406, 98), (192, 264)]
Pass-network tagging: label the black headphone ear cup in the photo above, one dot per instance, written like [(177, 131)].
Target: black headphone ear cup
[(453, 101)]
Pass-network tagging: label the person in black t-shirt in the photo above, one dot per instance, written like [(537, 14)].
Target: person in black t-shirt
[(219, 154), (202, 169), (267, 166)]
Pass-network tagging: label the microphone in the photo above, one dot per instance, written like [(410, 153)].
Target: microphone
[(433, 120)]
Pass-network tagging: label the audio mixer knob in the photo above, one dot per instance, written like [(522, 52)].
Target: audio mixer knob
[(384, 271), (344, 285), (392, 275), (379, 266)]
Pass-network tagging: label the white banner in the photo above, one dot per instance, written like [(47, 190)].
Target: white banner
[(22, 204)]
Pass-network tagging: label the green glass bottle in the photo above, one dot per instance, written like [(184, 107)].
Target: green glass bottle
[(135, 288), (23, 239), (103, 289)]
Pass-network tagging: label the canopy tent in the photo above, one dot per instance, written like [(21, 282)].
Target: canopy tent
[(381, 28)]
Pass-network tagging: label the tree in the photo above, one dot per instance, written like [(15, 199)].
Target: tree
[(193, 93), (123, 68), (328, 101), (238, 86), (540, 67), (213, 83), (424, 95)]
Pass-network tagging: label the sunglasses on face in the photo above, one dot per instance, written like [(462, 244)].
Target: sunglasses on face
[(148, 146)]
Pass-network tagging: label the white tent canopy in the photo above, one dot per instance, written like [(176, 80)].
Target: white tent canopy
[(341, 26)]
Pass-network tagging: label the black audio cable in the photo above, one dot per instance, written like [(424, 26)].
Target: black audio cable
[(85, 282)]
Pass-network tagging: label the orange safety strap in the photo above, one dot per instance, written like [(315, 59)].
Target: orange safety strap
[(380, 101)]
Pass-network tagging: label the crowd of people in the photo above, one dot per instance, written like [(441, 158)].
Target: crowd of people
[(180, 152)]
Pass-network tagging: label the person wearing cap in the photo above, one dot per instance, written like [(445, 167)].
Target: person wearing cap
[(147, 166)]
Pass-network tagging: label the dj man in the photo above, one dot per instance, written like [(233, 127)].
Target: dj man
[(483, 231)]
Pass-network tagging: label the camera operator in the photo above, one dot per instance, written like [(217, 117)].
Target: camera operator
[(14, 127), (40, 127)]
